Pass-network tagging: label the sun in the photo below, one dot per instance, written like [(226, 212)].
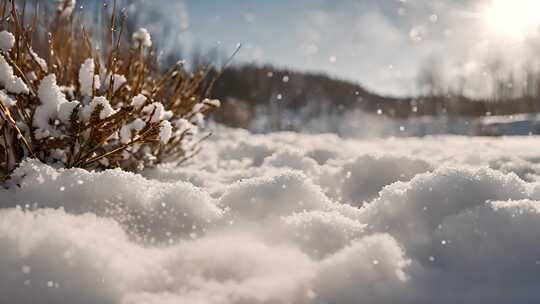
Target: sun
[(513, 18)]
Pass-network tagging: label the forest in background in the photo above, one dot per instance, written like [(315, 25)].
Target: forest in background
[(250, 90)]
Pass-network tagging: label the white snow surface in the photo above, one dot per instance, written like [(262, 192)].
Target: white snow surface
[(282, 218)]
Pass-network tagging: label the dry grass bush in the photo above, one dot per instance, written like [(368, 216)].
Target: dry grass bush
[(67, 102)]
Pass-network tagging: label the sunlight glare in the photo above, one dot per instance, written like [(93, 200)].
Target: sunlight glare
[(513, 18)]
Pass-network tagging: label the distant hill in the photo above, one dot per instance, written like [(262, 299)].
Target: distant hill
[(317, 95)]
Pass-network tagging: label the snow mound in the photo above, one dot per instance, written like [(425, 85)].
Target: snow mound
[(282, 218), (278, 195), (150, 209), (361, 179)]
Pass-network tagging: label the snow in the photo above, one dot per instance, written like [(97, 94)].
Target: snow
[(11, 83), (359, 124), (40, 61), (86, 77), (6, 99), (198, 119), (54, 105), (7, 41), (138, 101), (118, 81), (142, 37), (66, 7), (165, 131), (182, 125), (216, 103), (157, 112), (283, 218), (107, 110), (126, 132)]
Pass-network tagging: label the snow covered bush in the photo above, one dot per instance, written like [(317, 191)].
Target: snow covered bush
[(71, 101)]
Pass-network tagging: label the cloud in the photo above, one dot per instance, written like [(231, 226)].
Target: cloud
[(382, 44)]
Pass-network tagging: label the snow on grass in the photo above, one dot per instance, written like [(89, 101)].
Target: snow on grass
[(6, 100), (66, 7), (40, 61), (117, 79), (7, 41), (142, 37), (157, 112), (86, 77), (165, 131), (138, 101), (127, 130), (11, 83), (106, 111), (54, 106), (283, 218)]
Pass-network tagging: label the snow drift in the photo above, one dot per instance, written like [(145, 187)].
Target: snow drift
[(282, 218)]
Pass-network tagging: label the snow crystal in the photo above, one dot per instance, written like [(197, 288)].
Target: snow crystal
[(11, 83), (7, 41), (142, 37)]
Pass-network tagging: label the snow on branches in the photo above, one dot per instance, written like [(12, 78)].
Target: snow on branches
[(93, 108)]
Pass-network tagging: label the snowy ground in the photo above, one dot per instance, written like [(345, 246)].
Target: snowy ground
[(283, 218)]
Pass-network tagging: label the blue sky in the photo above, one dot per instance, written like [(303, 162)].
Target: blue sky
[(381, 44)]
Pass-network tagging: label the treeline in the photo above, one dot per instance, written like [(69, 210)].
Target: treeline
[(248, 90)]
